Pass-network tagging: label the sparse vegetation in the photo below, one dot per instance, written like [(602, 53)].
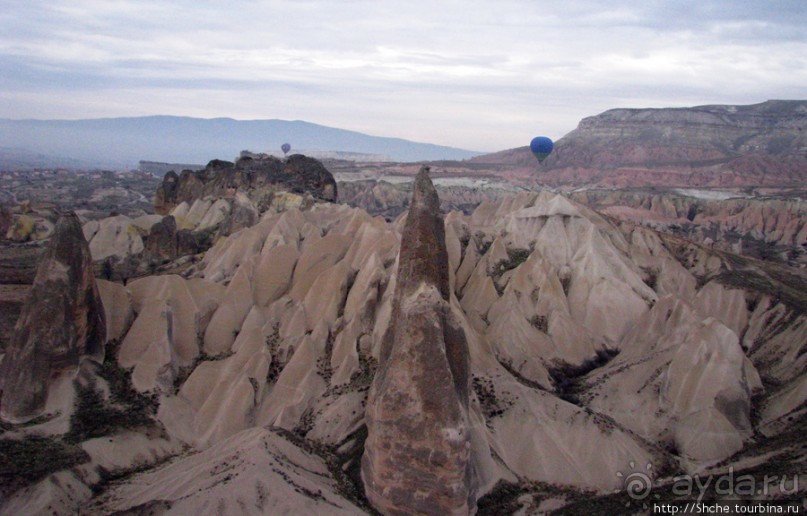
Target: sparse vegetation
[(482, 242), (276, 367), (502, 499), (540, 322), (95, 416), (465, 238), (703, 488), (360, 380), (324, 362), (185, 372), (651, 277), (778, 283), (344, 467), (24, 461), (305, 424), (508, 365), (515, 258), (566, 377), (108, 477), (509, 498), (492, 405)]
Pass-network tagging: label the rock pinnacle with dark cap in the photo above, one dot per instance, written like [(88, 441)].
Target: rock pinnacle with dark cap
[(61, 322), (417, 457)]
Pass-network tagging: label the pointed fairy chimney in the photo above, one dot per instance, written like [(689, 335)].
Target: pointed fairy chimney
[(61, 322), (417, 457)]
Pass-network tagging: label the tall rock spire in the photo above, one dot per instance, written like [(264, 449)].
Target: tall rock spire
[(417, 457), (61, 321)]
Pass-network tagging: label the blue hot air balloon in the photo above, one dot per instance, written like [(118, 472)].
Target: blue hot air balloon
[(285, 148), (541, 147)]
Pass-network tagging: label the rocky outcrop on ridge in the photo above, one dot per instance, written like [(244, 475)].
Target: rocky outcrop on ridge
[(259, 178), (417, 456), (196, 208), (61, 323)]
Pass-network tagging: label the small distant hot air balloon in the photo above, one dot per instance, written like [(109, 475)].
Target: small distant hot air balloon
[(285, 148), (541, 147)]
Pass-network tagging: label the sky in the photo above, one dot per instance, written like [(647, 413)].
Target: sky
[(479, 75)]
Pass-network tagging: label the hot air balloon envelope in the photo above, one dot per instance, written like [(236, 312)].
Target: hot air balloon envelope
[(285, 148), (541, 147)]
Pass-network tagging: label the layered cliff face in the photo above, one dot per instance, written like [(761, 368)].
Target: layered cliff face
[(760, 144), (417, 456), (720, 133), (61, 323), (572, 325)]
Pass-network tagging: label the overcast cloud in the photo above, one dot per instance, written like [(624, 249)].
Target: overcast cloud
[(477, 75)]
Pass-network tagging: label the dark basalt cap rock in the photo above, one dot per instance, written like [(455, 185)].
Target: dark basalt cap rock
[(417, 456), (61, 322)]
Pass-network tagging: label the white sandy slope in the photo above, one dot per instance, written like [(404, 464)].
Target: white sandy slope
[(254, 472)]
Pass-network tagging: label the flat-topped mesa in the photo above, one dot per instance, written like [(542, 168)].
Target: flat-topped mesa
[(417, 457), (260, 178), (62, 321)]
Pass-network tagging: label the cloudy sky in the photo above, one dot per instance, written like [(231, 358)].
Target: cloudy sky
[(479, 75)]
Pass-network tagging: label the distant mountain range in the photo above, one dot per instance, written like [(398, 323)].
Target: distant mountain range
[(123, 142)]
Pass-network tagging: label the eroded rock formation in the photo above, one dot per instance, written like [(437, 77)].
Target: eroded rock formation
[(770, 224), (262, 178), (61, 322), (198, 207), (573, 325), (417, 457), (769, 227)]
